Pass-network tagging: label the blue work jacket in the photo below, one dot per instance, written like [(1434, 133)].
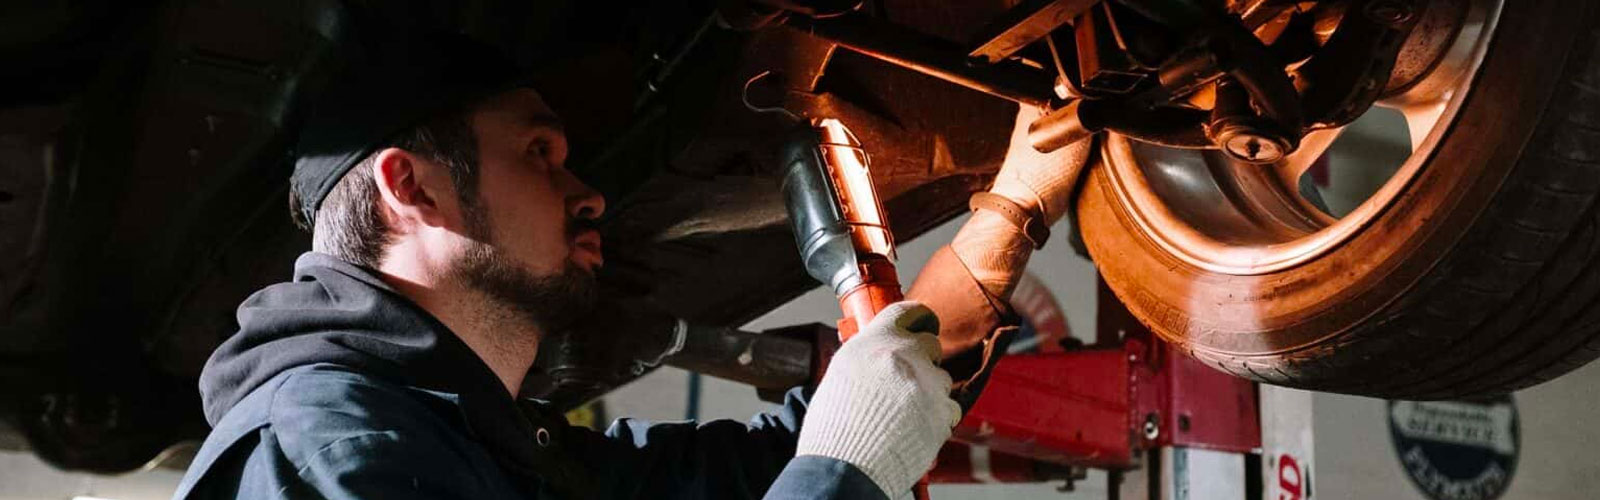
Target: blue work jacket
[(338, 387)]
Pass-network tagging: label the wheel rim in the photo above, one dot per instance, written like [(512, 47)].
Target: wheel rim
[(1232, 217)]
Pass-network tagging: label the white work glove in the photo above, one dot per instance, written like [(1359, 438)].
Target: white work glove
[(883, 406)]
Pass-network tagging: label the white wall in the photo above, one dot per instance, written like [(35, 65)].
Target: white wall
[(1560, 441)]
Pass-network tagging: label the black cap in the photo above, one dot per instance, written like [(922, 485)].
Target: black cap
[(382, 88)]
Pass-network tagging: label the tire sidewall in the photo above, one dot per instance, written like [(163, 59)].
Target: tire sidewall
[(1369, 277)]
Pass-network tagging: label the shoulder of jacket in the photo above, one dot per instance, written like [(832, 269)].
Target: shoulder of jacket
[(317, 406)]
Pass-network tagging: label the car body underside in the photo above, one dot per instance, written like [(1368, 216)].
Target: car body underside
[(145, 163)]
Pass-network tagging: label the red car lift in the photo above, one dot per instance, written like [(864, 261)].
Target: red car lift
[(1128, 403)]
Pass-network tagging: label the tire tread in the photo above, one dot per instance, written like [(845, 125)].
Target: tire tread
[(1515, 303)]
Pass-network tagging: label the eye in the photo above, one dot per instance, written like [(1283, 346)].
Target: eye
[(550, 147)]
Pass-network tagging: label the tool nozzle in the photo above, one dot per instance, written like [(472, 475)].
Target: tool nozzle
[(839, 225)]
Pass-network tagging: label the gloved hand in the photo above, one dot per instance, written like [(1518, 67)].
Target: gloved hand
[(994, 249), (1034, 179), (883, 406)]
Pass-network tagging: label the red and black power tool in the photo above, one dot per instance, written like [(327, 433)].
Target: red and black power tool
[(838, 223)]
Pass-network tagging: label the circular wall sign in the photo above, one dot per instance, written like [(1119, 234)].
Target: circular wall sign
[(1456, 450)]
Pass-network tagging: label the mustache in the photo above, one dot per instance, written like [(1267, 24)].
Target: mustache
[(577, 225)]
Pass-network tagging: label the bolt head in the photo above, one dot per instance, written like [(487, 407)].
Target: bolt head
[(1151, 429), (1254, 148), (1063, 88)]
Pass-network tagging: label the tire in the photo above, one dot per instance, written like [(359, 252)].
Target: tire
[(1480, 278)]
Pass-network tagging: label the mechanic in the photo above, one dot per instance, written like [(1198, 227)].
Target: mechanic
[(448, 236)]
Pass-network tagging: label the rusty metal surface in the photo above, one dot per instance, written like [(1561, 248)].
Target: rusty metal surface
[(944, 59), (1024, 24), (1441, 21)]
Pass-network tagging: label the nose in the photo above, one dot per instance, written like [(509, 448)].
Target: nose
[(583, 202)]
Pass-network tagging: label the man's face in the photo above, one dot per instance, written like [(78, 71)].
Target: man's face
[(533, 244)]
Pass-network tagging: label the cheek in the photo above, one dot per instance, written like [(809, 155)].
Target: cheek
[(533, 223), (546, 238)]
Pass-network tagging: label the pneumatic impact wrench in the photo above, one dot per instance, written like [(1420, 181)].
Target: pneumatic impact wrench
[(839, 225)]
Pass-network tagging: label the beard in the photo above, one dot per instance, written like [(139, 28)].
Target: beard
[(552, 302)]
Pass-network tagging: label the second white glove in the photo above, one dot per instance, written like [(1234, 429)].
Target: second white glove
[(883, 405)]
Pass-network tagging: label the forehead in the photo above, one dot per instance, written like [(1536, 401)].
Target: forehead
[(514, 112)]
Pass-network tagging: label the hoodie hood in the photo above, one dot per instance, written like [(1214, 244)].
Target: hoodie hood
[(339, 313)]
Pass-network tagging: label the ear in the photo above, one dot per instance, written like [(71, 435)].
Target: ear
[(411, 189)]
